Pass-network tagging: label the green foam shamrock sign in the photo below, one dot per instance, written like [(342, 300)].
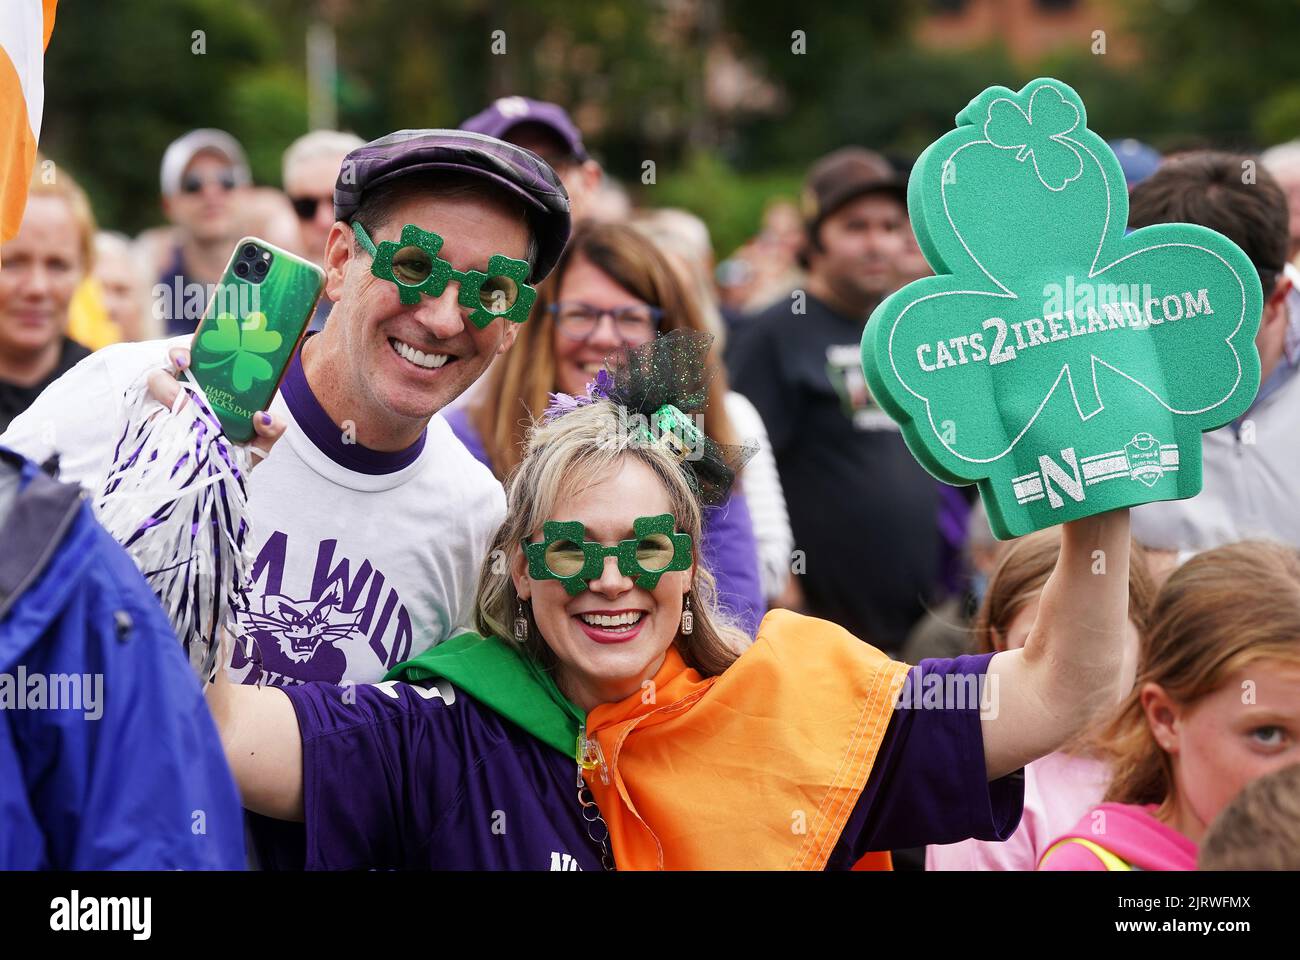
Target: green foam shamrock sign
[(1065, 366)]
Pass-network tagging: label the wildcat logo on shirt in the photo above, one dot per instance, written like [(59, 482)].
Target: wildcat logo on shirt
[(350, 622), (844, 370)]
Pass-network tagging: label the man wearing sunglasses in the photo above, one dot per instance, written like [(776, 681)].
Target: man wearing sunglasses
[(371, 520), (204, 176), (310, 166)]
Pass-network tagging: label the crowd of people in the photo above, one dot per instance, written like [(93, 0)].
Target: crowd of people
[(465, 562)]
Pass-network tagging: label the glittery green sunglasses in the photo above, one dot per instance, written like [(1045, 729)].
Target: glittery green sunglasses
[(414, 267), (565, 553)]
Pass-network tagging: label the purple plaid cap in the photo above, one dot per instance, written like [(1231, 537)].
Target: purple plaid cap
[(514, 169), (506, 113)]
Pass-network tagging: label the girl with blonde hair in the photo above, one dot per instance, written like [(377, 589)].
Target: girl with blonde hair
[(1216, 704), (1062, 785)]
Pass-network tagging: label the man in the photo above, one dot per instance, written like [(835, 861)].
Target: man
[(862, 510), (1283, 162), (369, 519), (204, 175), (1250, 467), (310, 166), (546, 130)]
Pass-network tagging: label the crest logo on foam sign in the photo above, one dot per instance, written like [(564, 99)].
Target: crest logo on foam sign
[(1052, 353)]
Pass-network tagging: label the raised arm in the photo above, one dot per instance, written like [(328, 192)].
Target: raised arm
[(1069, 668), (259, 732)]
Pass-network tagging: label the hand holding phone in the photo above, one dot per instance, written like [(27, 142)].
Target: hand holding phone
[(250, 330), (164, 387)]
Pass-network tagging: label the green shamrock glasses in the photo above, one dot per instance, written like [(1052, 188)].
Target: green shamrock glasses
[(565, 553), (414, 267)]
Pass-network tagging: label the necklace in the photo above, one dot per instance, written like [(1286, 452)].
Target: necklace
[(589, 757)]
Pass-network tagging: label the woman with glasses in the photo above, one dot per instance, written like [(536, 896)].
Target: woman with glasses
[(607, 715), (612, 290)]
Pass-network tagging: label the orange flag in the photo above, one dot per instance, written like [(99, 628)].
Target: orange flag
[(756, 769), (25, 27)]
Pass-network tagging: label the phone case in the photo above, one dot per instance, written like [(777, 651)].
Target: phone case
[(248, 334)]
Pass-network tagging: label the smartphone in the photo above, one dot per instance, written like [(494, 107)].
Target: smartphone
[(254, 321)]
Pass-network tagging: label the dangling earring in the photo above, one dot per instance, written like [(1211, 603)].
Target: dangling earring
[(521, 622), (688, 618)]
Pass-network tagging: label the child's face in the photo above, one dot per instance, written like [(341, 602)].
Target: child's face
[(1248, 727)]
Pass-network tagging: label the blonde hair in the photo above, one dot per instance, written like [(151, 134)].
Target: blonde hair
[(61, 185), (568, 455), (1220, 612), (519, 384)]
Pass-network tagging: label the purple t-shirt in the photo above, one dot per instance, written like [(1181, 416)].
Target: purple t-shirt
[(729, 547), (422, 776)]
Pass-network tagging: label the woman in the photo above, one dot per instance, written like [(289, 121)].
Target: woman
[(684, 238), (621, 669), (43, 266), (1216, 704), (1062, 785), (611, 291)]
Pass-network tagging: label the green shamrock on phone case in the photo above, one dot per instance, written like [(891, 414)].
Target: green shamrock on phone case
[(242, 346)]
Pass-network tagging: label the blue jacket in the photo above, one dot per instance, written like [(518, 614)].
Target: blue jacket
[(109, 758)]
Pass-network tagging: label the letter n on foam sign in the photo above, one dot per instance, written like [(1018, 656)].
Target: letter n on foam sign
[(1057, 430)]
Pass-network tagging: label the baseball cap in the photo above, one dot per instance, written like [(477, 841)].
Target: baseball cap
[(183, 149), (506, 113), (517, 171), (843, 175)]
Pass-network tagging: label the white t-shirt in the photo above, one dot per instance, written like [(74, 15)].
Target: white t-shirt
[(1250, 473), (362, 559)]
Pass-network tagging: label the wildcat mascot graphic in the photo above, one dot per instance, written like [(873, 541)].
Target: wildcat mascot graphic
[(300, 637)]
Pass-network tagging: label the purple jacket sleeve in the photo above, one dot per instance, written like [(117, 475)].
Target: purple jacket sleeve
[(731, 554), (929, 783)]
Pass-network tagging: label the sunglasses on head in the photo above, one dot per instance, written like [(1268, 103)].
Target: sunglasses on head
[(193, 183), (306, 207), (414, 267), (565, 553)]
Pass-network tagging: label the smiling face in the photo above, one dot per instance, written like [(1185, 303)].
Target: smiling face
[(1246, 728), (578, 361), (396, 364), (42, 267), (612, 636)]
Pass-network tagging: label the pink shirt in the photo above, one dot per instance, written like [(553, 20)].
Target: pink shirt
[(1131, 832), (1059, 789)]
